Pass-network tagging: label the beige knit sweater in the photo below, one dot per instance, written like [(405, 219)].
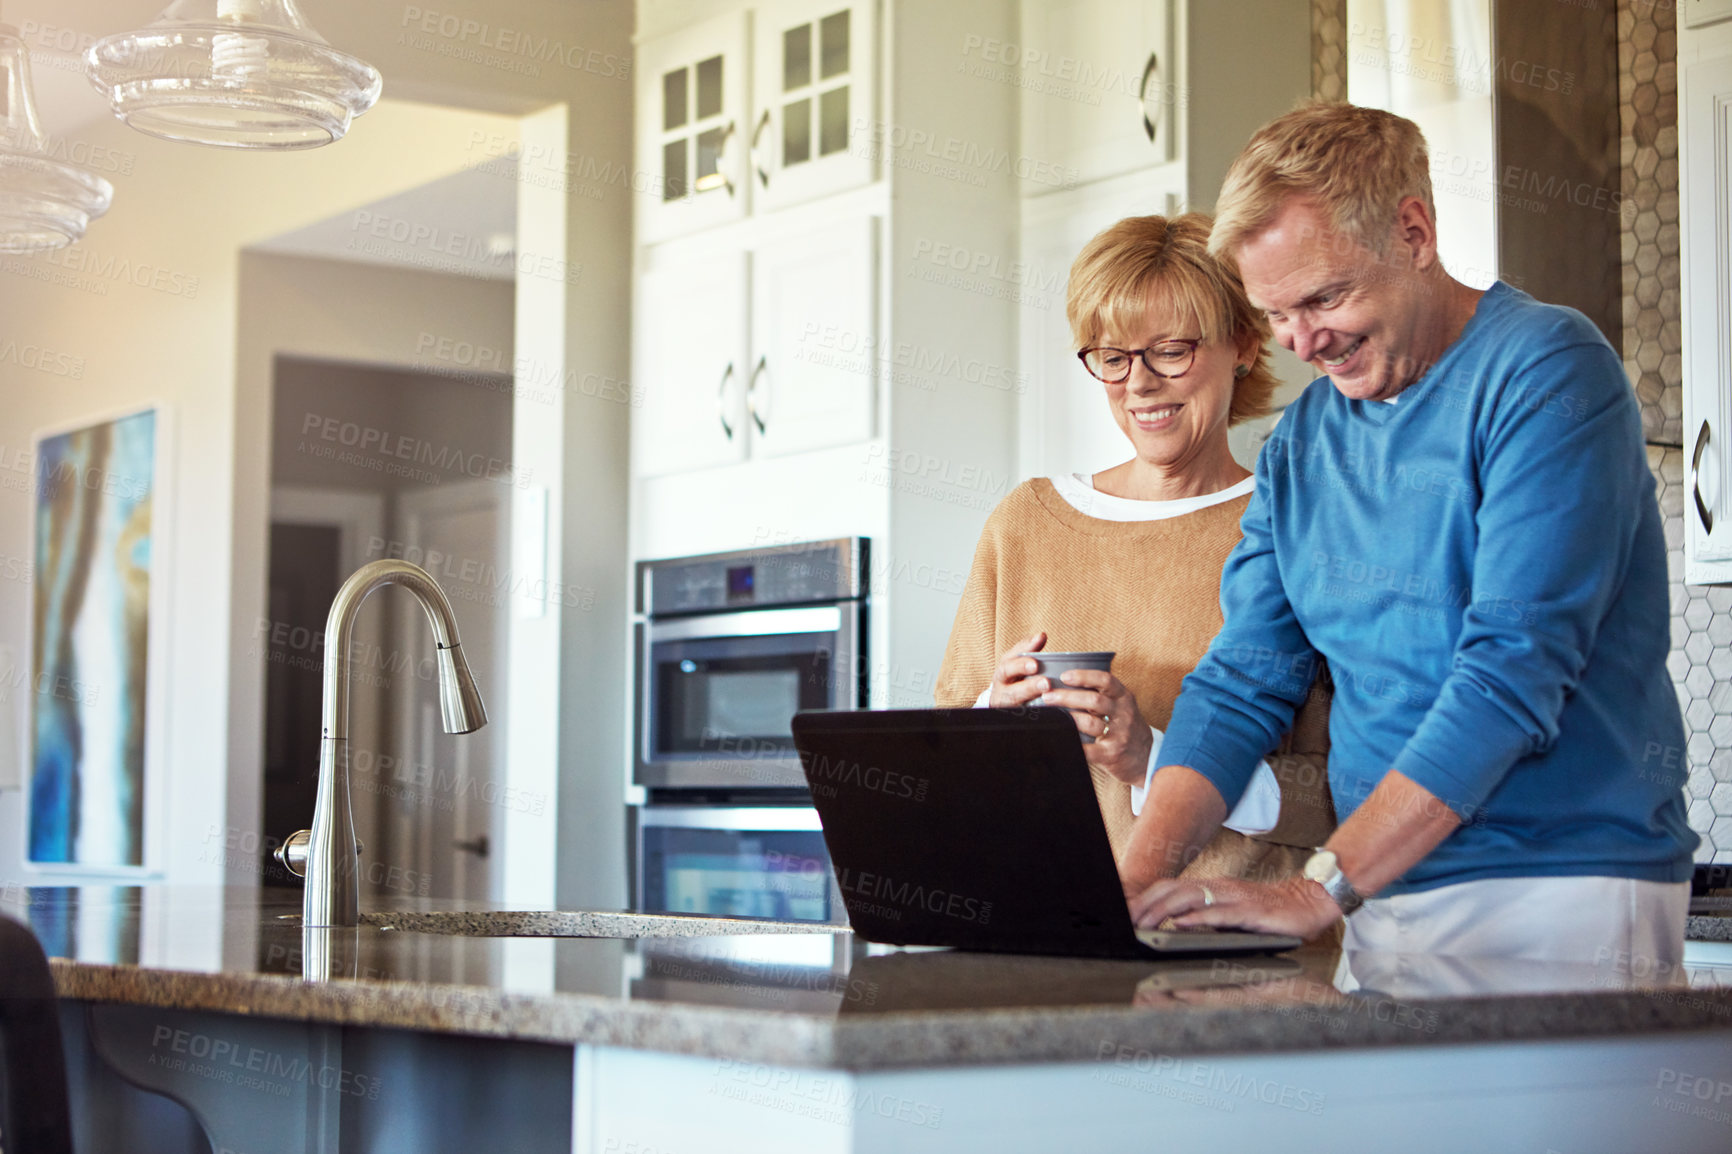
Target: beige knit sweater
[(1149, 590)]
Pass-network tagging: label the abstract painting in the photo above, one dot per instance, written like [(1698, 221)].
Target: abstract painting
[(91, 601)]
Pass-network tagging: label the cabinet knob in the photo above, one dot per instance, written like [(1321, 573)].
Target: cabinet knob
[(1149, 102), (757, 153), (1702, 439), (758, 411), (722, 401), (723, 175)]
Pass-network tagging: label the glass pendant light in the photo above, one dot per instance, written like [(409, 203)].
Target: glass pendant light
[(233, 74), (44, 203)]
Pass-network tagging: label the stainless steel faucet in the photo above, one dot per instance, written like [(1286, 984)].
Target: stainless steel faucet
[(328, 855)]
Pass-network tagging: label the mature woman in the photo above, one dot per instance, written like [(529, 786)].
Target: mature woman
[(1130, 559)]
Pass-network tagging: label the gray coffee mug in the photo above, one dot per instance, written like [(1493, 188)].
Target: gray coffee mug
[(1053, 664)]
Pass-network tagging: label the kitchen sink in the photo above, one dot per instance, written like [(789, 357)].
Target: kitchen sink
[(584, 924)]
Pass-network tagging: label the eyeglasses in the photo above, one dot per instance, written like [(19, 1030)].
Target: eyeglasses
[(1167, 359)]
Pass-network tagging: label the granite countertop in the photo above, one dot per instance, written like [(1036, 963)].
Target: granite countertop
[(1708, 928), (1710, 918), (799, 998)]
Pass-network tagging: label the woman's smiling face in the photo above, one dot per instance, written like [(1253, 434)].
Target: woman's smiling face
[(1174, 422)]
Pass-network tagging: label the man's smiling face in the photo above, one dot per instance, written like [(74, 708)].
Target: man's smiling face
[(1355, 316)]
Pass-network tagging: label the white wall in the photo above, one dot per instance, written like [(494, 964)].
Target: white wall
[(187, 212), (179, 221)]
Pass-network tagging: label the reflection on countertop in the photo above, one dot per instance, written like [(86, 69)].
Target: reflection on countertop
[(821, 999)]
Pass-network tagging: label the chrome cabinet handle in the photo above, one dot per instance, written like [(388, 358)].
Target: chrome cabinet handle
[(1702, 439), (757, 135), (752, 395), (724, 162), (722, 401), (1151, 71)]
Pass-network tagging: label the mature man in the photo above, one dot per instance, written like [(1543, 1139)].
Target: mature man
[(1465, 527)]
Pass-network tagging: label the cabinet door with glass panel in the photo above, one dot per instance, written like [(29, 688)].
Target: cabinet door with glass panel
[(692, 105), (813, 100)]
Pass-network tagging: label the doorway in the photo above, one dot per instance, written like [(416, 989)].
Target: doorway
[(373, 462), (317, 537)]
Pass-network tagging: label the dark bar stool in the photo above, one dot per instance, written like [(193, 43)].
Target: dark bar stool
[(33, 1113)]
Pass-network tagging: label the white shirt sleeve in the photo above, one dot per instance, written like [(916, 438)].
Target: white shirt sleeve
[(984, 699), (1256, 812)]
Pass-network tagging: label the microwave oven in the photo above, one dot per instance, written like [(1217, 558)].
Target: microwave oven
[(730, 646)]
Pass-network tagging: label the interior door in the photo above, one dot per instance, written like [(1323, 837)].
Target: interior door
[(815, 341), (447, 795), (304, 578)]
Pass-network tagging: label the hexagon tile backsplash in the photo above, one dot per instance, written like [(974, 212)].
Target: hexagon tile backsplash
[(1701, 658)]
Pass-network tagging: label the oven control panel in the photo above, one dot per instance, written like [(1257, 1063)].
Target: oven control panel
[(814, 572)]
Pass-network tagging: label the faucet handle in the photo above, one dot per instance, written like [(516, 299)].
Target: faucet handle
[(292, 854)]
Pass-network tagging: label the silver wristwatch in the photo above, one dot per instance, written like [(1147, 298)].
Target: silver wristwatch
[(1324, 868)]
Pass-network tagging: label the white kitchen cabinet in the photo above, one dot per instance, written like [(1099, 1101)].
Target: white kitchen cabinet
[(814, 340), (755, 110), (1098, 83), (691, 350), (880, 369), (813, 99), (693, 88), (731, 373), (1705, 205), (740, 285)]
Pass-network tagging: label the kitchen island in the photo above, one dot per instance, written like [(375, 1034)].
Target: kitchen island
[(421, 1041)]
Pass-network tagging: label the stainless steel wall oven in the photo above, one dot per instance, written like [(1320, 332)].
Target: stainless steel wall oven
[(729, 647)]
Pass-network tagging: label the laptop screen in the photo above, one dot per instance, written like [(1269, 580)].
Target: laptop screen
[(976, 828)]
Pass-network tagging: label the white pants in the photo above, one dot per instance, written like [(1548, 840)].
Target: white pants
[(1615, 923)]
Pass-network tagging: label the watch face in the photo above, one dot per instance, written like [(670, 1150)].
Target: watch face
[(1321, 865)]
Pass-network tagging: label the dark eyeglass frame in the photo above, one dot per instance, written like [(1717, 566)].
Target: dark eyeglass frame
[(1143, 354)]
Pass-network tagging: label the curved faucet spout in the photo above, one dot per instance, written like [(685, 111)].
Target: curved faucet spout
[(333, 894), (459, 700)]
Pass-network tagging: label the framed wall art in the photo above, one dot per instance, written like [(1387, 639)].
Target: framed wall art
[(97, 605)]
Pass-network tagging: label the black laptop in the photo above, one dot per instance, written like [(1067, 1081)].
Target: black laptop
[(978, 829)]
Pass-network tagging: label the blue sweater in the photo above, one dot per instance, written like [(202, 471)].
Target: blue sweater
[(1482, 564)]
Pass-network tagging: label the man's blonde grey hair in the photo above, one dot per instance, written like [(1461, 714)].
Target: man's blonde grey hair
[(1354, 165), (1157, 263)]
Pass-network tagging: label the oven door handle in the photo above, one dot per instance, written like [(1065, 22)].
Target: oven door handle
[(748, 623), (729, 817)]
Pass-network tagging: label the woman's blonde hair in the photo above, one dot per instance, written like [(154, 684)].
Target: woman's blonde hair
[(1355, 165), (1146, 263)]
